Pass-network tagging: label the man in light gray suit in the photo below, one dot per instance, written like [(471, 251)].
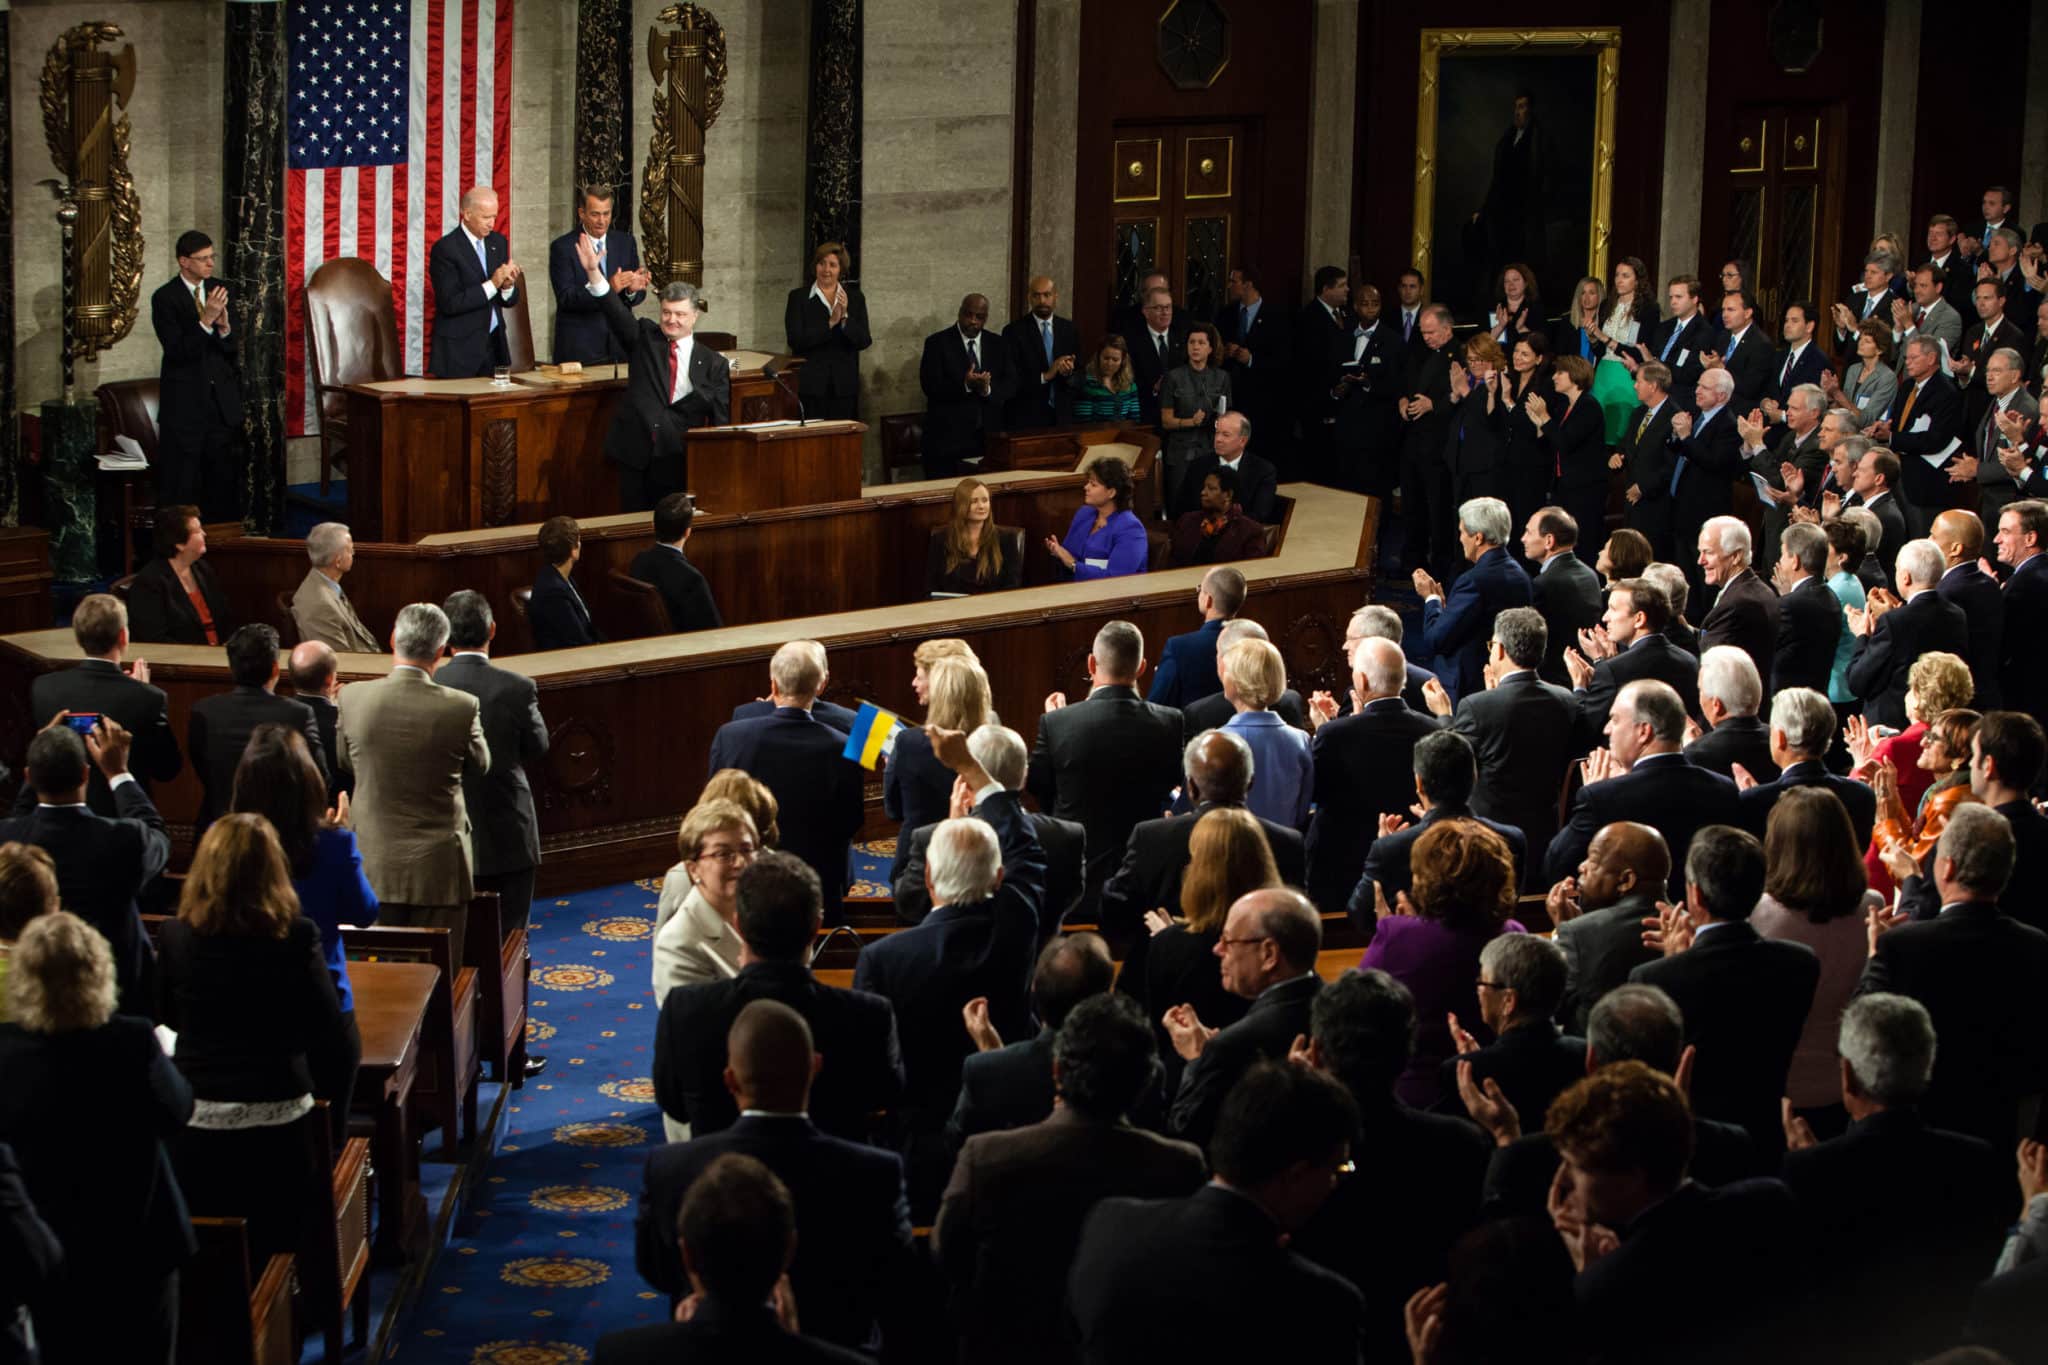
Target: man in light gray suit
[(321, 609), (2002, 472), (410, 742), (1929, 314)]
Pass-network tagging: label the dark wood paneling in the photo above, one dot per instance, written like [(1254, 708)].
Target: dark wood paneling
[(1966, 133), (1389, 51), (1266, 85)]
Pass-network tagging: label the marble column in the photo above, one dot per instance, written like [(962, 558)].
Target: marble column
[(252, 254), (604, 100), (70, 435), (10, 480), (1055, 116), (1898, 110), (832, 146), (1332, 133), (1685, 140)]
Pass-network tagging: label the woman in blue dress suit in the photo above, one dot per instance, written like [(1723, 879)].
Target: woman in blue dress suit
[(917, 789), (1284, 774), (277, 780), (1106, 539)]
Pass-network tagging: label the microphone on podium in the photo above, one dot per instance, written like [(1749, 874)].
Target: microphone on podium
[(773, 370)]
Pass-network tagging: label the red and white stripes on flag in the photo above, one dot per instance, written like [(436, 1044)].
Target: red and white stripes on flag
[(358, 190)]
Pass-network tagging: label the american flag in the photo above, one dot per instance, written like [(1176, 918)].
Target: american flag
[(394, 108)]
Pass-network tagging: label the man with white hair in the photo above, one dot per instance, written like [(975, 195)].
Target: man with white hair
[(475, 279), (1455, 633), (1895, 1191), (1370, 622), (1896, 630), (320, 608), (985, 873), (1809, 616), (1802, 728), (839, 717), (1745, 610), (802, 761), (1214, 711), (1730, 694), (1643, 776), (1706, 455), (1800, 446), (410, 741), (1364, 766)]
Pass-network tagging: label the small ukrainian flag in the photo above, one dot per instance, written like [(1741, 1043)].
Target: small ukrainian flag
[(873, 736)]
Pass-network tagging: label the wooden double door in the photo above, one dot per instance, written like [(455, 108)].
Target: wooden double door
[(1784, 191), (1177, 198)]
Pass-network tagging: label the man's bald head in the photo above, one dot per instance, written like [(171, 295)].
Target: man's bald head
[(312, 668), (769, 1058), (1623, 858), (1290, 920), (1218, 766), (1043, 296), (1960, 535), (1382, 666)]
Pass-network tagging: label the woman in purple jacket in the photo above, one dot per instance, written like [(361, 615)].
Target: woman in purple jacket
[(1106, 539)]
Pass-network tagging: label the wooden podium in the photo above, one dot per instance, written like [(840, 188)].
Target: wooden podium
[(774, 464)]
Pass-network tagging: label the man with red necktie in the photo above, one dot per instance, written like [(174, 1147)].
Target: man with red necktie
[(672, 384)]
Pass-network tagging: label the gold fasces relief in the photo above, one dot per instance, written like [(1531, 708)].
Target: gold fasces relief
[(81, 87), (689, 69)]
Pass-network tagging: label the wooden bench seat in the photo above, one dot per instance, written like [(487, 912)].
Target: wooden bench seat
[(448, 1082), (226, 1314)]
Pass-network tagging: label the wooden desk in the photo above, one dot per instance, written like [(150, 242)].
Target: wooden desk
[(391, 1009), (631, 722), (429, 455), (865, 552), (755, 468)]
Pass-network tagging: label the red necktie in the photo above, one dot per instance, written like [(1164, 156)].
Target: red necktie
[(675, 349), (1919, 316)]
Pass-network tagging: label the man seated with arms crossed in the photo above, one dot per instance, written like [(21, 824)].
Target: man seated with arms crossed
[(667, 566)]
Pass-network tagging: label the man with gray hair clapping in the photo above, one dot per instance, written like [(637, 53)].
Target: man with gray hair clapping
[(1455, 632), (409, 741)]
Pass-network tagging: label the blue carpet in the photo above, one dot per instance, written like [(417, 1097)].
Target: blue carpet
[(539, 1264)]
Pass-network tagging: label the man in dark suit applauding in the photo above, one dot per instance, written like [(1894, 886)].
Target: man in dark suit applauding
[(1158, 337), (1006, 1234), (1109, 760), (1564, 587), (1444, 776), (1645, 457), (199, 408), (1809, 615), (1268, 951), (672, 383), (1364, 766), (1642, 776), (102, 685), (1802, 727), (802, 761), (1522, 731), (852, 1216), (1706, 459), (779, 916), (1743, 351), (102, 864), (666, 565), (1147, 1275), (1959, 535), (1187, 666), (475, 279), (1744, 997), (967, 376), (1010, 1085), (504, 831), (220, 725), (1424, 408), (2023, 654), (1745, 610), (1218, 765), (1599, 912), (1898, 629), (1730, 695), (1257, 346), (581, 333), (1043, 349), (1455, 633), (1633, 628), (1924, 428)]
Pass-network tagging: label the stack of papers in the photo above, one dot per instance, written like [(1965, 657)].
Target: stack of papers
[(126, 455)]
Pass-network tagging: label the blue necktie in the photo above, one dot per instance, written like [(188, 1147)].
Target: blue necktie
[(1669, 342), (484, 265), (1045, 334), (1678, 468)]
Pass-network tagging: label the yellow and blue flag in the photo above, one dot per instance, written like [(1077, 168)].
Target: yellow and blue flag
[(873, 735)]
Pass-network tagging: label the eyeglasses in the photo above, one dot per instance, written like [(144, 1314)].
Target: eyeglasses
[(1234, 942), (726, 856), (1483, 984)]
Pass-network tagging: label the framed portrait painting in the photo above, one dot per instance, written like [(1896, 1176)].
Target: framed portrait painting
[(1514, 161)]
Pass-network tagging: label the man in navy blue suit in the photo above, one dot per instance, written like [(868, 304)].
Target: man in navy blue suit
[(474, 279), (1644, 776), (853, 1215), (839, 717), (801, 760), (1802, 727), (1187, 666), (581, 333), (1454, 634), (1801, 362), (1446, 771)]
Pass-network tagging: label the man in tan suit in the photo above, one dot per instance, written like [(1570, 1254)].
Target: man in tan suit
[(408, 740), (321, 609)]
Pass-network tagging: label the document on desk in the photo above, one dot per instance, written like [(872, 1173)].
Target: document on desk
[(126, 454)]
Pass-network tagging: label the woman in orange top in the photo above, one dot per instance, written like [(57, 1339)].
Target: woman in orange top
[(1899, 842), (1937, 682)]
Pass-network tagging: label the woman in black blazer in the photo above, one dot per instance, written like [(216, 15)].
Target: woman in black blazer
[(1573, 432), (827, 324), (1527, 464), (967, 554), (917, 789), (242, 983), (1475, 442), (175, 598), (89, 1101)]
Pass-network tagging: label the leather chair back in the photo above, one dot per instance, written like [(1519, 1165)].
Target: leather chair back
[(519, 328), (902, 439), (522, 623), (641, 603), (128, 407), (287, 622), (352, 328)]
